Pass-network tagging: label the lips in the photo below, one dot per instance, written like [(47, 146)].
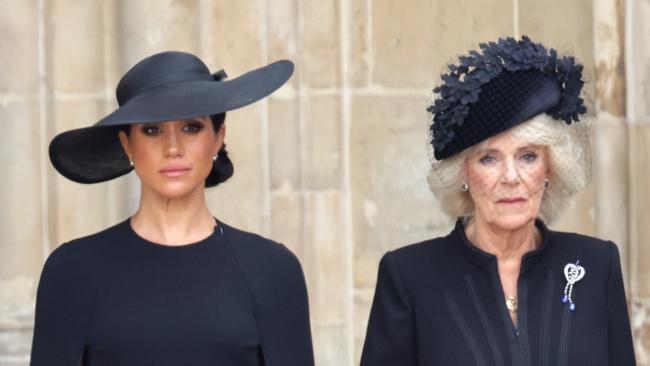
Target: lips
[(511, 200), (174, 171)]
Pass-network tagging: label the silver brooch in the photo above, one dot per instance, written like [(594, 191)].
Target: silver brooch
[(573, 273)]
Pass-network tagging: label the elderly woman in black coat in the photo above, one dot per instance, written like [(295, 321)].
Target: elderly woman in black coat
[(502, 288)]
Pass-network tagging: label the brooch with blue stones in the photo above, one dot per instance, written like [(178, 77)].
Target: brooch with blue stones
[(573, 272)]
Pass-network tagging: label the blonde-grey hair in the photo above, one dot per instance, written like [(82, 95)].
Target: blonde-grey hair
[(569, 155)]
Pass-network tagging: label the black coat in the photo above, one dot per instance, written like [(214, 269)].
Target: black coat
[(116, 299), (440, 302)]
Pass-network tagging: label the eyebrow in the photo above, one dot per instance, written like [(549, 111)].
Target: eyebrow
[(197, 119), (485, 150), (194, 119), (492, 150)]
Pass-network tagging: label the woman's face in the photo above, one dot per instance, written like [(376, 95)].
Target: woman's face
[(506, 180), (173, 158)]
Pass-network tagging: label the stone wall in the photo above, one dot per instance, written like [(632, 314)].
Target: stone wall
[(334, 163)]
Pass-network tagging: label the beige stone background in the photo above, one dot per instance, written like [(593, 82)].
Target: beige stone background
[(333, 164)]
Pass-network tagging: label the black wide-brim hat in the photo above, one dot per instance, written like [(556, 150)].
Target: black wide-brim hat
[(165, 86)]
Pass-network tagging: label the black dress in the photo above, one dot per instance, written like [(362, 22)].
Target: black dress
[(440, 302), (116, 299)]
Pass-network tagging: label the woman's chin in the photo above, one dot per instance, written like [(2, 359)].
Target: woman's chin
[(512, 220), (174, 190)]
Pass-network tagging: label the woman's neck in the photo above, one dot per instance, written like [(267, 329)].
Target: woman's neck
[(505, 244), (173, 221)]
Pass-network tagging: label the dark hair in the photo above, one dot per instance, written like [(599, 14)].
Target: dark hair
[(222, 168)]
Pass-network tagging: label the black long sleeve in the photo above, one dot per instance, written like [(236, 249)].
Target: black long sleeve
[(116, 299), (619, 334), (390, 339), (63, 304), (281, 294)]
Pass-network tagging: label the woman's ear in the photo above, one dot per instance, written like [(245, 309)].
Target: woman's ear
[(124, 140)]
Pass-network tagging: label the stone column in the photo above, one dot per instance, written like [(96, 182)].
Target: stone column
[(610, 128), (233, 40), (76, 99), (23, 188), (284, 132), (326, 248), (637, 52)]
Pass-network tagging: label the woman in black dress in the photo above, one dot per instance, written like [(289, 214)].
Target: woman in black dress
[(171, 285), (502, 288)]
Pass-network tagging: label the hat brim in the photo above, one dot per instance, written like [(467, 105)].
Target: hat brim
[(89, 155), (201, 98), (94, 154)]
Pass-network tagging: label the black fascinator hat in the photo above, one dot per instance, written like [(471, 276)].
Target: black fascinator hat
[(165, 86), (508, 82)]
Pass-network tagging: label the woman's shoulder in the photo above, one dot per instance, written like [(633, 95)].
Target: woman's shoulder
[(75, 263), (268, 266), (422, 258), (426, 250), (580, 243), (589, 250), (577, 238), (85, 248), (254, 248)]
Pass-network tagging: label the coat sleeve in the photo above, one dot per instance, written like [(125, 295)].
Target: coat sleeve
[(621, 350), (62, 311), (283, 316), (390, 339), (279, 291)]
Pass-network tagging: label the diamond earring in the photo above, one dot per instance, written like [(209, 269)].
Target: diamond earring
[(546, 183), (465, 187)]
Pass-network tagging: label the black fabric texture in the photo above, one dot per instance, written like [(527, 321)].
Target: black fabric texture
[(508, 100), (440, 302), (463, 85), (116, 299)]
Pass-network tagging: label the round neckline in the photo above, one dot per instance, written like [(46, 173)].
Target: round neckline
[(218, 230), (543, 230)]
